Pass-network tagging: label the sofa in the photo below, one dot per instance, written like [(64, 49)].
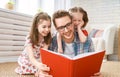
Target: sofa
[(106, 37)]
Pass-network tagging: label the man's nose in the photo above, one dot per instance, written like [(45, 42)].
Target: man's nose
[(66, 29)]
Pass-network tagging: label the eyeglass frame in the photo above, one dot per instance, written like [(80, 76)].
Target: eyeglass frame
[(68, 25)]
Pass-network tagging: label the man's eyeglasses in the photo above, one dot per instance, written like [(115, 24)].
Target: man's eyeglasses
[(62, 28)]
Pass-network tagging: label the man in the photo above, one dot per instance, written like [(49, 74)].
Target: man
[(70, 41)]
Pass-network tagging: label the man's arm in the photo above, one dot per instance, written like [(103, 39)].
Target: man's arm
[(53, 46)]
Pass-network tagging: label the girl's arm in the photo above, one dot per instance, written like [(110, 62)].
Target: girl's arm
[(39, 65), (60, 50), (81, 34), (42, 68)]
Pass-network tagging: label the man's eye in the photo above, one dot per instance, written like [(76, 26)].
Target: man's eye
[(61, 27), (68, 24)]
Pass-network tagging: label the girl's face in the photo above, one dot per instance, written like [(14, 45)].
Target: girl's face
[(44, 27), (77, 19)]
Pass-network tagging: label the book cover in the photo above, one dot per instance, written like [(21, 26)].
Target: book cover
[(82, 65)]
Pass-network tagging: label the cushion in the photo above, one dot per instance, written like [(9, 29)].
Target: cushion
[(99, 44), (98, 41), (96, 33)]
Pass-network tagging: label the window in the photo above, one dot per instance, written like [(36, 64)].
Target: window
[(27, 6), (3, 3), (47, 6), (31, 7)]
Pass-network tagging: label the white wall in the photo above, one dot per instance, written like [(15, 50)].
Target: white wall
[(101, 11), (62, 4)]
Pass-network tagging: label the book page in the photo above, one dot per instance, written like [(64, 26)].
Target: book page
[(85, 54), (62, 55), (75, 57)]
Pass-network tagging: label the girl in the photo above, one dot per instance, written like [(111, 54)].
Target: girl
[(80, 20), (39, 37)]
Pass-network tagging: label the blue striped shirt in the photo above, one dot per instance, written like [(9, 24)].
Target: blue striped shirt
[(77, 45)]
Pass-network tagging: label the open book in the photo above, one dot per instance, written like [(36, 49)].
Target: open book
[(82, 65)]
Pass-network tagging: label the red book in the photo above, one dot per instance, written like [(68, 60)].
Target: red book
[(83, 65)]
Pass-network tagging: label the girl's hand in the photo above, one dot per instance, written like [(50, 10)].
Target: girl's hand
[(43, 67), (80, 25), (97, 75), (43, 71)]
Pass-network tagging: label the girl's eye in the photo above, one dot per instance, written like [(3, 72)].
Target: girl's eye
[(74, 20), (80, 20), (49, 26), (44, 26)]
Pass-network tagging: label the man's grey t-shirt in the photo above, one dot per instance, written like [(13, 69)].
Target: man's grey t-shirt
[(69, 50)]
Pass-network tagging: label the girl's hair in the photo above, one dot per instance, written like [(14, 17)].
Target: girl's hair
[(34, 34), (81, 10)]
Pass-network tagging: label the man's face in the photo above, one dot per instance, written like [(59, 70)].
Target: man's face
[(65, 27)]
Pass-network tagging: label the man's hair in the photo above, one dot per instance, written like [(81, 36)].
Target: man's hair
[(80, 10), (59, 14)]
